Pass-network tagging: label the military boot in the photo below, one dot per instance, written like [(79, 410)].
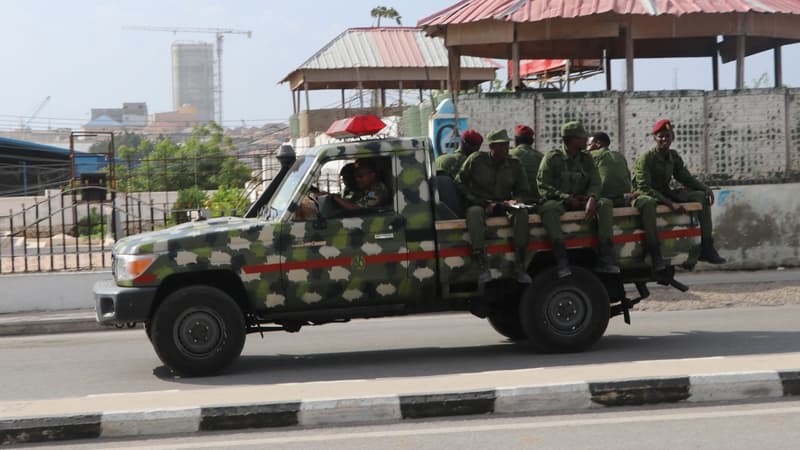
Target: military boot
[(519, 267), (709, 254), (606, 262), (562, 262), (655, 257), (484, 276)]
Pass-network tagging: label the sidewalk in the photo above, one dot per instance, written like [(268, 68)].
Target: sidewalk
[(84, 320)]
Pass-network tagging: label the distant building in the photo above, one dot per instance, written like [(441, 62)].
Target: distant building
[(193, 78), (131, 115), (173, 121)]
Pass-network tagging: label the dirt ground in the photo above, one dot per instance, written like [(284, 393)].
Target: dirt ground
[(722, 296)]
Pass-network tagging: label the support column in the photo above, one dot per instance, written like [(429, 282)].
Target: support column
[(294, 103), (400, 93), (607, 58), (344, 107), (568, 67), (740, 47), (629, 58), (778, 66), (715, 70), (515, 78)]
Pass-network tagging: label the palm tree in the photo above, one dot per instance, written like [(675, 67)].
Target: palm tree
[(382, 11)]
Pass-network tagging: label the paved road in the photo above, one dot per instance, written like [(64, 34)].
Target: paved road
[(70, 365), (732, 427)]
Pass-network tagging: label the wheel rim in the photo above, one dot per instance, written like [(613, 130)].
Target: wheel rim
[(567, 310), (198, 332)]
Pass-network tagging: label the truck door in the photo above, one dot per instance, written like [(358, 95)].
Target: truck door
[(335, 257)]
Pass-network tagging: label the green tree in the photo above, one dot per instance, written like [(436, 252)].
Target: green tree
[(380, 12), (227, 201), (206, 161)]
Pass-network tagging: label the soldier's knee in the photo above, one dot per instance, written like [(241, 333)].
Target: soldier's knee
[(551, 206), (475, 213), (643, 203), (697, 196)]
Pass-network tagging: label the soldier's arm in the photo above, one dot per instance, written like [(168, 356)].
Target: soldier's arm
[(462, 180), (546, 180), (595, 185), (644, 180), (684, 177), (522, 189)]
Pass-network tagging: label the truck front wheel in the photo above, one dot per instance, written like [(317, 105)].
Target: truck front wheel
[(565, 314), (198, 331)]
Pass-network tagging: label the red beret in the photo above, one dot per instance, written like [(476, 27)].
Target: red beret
[(662, 124), (472, 137), (523, 130)]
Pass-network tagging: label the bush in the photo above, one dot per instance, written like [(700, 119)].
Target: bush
[(92, 225), (189, 199)]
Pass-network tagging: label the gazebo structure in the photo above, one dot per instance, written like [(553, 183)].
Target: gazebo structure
[(616, 29), (377, 59)]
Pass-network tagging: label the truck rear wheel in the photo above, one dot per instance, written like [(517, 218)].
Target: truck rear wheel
[(507, 323), (565, 314), (198, 331)]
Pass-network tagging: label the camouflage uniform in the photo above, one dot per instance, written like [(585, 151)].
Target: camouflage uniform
[(449, 163), (651, 177), (561, 177), (530, 159), (377, 195), (615, 178), (481, 180)]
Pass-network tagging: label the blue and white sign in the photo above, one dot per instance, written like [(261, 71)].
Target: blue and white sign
[(445, 135)]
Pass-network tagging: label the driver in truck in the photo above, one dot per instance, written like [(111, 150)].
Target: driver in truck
[(370, 191)]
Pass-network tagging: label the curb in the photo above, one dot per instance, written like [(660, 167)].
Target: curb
[(49, 323), (568, 397)]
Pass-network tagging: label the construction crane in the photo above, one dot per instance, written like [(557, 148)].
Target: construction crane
[(24, 124), (220, 34)]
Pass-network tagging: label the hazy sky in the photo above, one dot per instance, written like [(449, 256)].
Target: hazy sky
[(77, 53)]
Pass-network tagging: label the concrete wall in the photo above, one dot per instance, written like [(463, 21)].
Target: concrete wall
[(725, 137), (56, 291), (757, 226)]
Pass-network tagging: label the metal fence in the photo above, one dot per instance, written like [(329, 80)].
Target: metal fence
[(74, 228)]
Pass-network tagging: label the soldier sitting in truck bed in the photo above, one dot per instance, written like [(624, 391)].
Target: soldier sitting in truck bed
[(494, 185)]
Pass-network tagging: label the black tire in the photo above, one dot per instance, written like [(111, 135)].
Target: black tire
[(207, 311), (561, 315), (508, 324)]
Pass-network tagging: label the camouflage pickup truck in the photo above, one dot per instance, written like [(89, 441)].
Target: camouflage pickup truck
[(297, 260)]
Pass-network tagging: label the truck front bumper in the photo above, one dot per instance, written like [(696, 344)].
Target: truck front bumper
[(115, 304)]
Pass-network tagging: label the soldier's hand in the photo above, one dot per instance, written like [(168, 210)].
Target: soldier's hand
[(630, 195), (710, 196), (573, 202), (591, 208), (677, 207), (489, 208)]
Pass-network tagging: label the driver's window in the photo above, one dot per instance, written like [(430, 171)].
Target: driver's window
[(352, 187)]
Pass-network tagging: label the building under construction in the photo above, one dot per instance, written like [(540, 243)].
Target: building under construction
[(193, 78)]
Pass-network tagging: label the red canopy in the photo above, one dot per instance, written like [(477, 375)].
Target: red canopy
[(364, 125)]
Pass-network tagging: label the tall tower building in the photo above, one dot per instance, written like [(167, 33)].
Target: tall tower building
[(193, 78)]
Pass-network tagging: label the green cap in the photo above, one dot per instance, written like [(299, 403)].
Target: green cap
[(573, 129), (498, 136)]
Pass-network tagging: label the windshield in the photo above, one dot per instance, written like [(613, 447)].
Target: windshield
[(285, 193)]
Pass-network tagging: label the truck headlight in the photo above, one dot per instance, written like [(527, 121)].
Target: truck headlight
[(130, 267)]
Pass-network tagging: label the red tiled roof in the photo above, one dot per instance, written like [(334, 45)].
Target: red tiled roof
[(468, 11)]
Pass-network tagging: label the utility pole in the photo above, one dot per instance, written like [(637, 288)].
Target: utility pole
[(220, 34)]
